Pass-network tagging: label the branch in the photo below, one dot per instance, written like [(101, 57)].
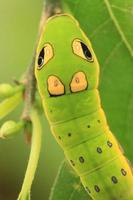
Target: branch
[(51, 7)]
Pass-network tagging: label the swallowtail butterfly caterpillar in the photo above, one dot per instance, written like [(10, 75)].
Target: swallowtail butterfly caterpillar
[(67, 73)]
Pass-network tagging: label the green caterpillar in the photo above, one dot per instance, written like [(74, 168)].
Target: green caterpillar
[(67, 73)]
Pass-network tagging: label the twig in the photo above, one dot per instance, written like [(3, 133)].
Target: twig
[(50, 8)]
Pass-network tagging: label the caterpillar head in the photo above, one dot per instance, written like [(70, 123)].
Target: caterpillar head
[(65, 61)]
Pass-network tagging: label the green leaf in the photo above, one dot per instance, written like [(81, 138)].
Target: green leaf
[(9, 104), (67, 185), (109, 25)]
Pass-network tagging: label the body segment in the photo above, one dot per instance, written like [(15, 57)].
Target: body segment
[(67, 74)]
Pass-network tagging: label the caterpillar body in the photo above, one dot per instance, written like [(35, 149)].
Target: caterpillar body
[(67, 73)]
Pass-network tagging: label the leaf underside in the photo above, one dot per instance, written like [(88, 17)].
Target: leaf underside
[(67, 185)]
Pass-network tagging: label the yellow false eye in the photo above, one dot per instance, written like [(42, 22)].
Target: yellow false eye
[(45, 55), (79, 82), (55, 86), (81, 49)]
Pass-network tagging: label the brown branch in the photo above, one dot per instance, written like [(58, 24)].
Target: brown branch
[(51, 7)]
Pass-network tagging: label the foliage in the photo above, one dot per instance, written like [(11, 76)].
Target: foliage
[(109, 26)]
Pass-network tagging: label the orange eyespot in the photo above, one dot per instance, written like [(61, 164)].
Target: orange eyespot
[(82, 50), (79, 82), (55, 86), (45, 55)]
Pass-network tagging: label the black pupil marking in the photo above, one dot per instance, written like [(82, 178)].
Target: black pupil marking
[(124, 173), (69, 134), (72, 162), (114, 179), (88, 126), (41, 58), (86, 51), (98, 121), (99, 150), (109, 144), (81, 159), (97, 189)]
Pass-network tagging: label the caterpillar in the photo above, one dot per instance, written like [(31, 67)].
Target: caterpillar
[(67, 74)]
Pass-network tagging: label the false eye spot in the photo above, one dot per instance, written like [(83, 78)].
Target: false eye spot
[(41, 58), (45, 55), (79, 82), (82, 50), (55, 86), (86, 51)]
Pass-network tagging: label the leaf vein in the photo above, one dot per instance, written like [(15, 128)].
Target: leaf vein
[(118, 27), (125, 10), (99, 27), (110, 55)]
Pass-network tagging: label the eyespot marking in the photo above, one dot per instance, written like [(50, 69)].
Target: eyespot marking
[(82, 50), (69, 134), (55, 86), (45, 55), (79, 82)]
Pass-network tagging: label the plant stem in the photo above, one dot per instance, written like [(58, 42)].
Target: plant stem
[(34, 155), (50, 8)]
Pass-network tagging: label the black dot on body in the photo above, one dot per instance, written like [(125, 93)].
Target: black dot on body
[(88, 126), (99, 150), (98, 121), (59, 137), (87, 189), (69, 134), (81, 159), (97, 189), (114, 179), (72, 162), (124, 173), (109, 144)]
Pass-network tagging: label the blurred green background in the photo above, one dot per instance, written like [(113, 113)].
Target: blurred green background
[(18, 30)]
